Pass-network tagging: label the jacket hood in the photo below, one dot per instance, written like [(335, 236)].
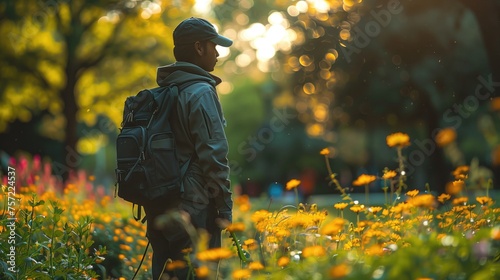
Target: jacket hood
[(181, 72)]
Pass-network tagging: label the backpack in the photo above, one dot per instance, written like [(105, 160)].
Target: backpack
[(147, 165)]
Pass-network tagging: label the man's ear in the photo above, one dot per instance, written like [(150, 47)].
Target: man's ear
[(198, 47)]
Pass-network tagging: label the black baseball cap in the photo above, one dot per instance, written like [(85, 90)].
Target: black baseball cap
[(197, 29)]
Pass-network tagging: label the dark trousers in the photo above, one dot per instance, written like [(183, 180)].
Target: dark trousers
[(171, 233)]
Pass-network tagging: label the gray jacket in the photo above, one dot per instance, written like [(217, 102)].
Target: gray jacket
[(199, 134)]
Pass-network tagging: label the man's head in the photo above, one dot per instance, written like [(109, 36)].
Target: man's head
[(195, 40)]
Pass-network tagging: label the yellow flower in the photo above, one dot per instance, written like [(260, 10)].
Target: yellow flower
[(364, 179), (484, 200), (340, 205), (214, 254), (202, 272), (243, 201), (292, 184), (187, 250), (314, 251), (454, 187), (443, 197), (460, 200), (175, 265), (236, 227), (424, 200), (283, 261), (356, 208), (445, 136), (325, 152), (333, 227), (375, 250), (339, 271), (461, 172), (495, 233), (250, 244), (255, 266), (242, 273), (125, 247), (375, 209), (389, 174), (412, 193), (398, 139)]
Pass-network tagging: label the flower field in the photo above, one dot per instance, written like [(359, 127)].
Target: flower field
[(79, 231)]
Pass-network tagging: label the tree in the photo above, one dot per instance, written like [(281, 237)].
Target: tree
[(73, 61), (395, 65)]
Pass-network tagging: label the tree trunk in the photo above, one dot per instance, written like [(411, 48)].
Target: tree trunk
[(71, 156)]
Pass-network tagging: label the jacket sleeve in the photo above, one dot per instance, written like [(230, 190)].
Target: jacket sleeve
[(206, 124)]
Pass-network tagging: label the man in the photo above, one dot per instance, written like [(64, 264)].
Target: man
[(198, 125)]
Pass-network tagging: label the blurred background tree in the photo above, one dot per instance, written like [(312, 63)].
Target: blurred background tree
[(67, 67), (367, 69)]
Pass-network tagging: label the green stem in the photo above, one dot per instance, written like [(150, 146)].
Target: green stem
[(366, 194), (51, 250), (490, 182), (296, 196)]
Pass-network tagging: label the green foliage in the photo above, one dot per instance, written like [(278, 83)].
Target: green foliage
[(46, 248)]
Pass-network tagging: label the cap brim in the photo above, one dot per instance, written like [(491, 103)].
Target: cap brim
[(222, 41)]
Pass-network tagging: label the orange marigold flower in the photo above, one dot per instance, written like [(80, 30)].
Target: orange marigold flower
[(364, 179), (443, 197), (314, 251), (214, 254), (483, 200), (283, 261), (236, 227), (445, 136), (398, 139), (292, 184), (461, 172), (339, 271), (255, 266), (340, 205), (412, 193), (389, 174)]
